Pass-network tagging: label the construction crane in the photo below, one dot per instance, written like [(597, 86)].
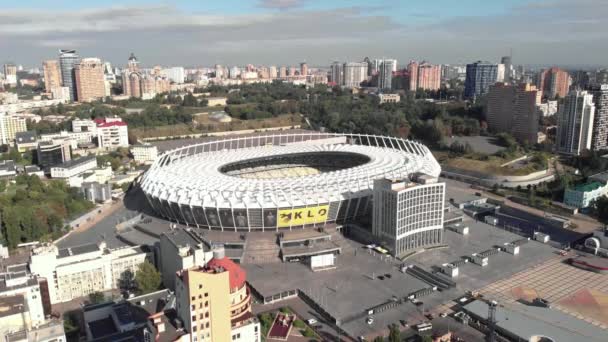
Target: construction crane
[(491, 320)]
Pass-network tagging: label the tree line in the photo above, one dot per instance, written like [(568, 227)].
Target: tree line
[(31, 210)]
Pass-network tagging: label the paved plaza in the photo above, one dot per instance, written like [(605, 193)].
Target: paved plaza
[(355, 285), (578, 292)]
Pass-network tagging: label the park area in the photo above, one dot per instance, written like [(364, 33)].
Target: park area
[(507, 165), (203, 124)]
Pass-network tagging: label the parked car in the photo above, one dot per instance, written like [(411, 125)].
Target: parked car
[(370, 320), (311, 321)]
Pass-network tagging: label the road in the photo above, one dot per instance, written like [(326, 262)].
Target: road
[(104, 228), (584, 223)]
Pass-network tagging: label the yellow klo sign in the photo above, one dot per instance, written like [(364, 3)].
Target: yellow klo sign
[(303, 216)]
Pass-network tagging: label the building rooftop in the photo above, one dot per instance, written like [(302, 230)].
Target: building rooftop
[(82, 249), (588, 186), (51, 331), (12, 305), (7, 165), (601, 177), (31, 168), (237, 275), (526, 321), (75, 162), (186, 238), (25, 137), (143, 311)]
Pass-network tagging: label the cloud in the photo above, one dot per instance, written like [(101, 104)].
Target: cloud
[(281, 4), (30, 22), (552, 31)]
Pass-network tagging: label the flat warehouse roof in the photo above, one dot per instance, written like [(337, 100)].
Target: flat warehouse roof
[(526, 321)]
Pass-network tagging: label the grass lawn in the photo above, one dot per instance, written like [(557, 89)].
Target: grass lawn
[(492, 165), (205, 125)]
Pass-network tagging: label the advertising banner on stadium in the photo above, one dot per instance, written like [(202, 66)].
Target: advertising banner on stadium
[(302, 216)]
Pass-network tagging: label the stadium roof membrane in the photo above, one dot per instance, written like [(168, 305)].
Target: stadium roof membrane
[(195, 175)]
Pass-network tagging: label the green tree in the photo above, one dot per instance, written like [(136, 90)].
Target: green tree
[(379, 339), (394, 334), (307, 332), (126, 282), (2, 185), (600, 208), (427, 338), (96, 297), (299, 324), (147, 278), (70, 324)]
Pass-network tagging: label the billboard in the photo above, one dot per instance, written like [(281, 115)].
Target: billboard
[(302, 216)]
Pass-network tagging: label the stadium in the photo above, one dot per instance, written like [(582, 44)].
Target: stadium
[(280, 181)]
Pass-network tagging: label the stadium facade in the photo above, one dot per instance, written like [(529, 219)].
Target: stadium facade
[(281, 181)]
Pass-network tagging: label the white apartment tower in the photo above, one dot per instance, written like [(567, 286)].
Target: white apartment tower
[(600, 122), (353, 74), (575, 118)]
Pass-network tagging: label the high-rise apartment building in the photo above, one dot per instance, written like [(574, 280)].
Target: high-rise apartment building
[(90, 80), (140, 85), (429, 76), (10, 74), (480, 76), (385, 77), (512, 108), (264, 72), (283, 71), (599, 140), (554, 82), (175, 74), (336, 73), (219, 71), (303, 69), (67, 62), (392, 62), (292, 71), (508, 69), (575, 118), (500, 73), (214, 302), (353, 74), (370, 66), (52, 75), (273, 72), (408, 214), (600, 77), (9, 126), (412, 69)]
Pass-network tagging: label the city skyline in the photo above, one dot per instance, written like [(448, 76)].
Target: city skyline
[(539, 32)]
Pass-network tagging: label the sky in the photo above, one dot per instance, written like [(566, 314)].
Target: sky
[(278, 32)]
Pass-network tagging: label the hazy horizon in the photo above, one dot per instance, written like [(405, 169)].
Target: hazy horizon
[(286, 32)]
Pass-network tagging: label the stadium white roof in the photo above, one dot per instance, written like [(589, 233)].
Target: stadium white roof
[(191, 175)]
